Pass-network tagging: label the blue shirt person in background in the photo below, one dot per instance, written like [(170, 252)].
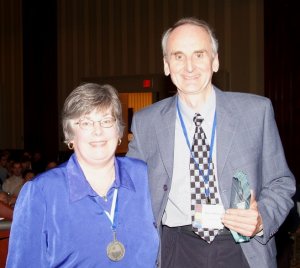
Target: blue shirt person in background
[(93, 210)]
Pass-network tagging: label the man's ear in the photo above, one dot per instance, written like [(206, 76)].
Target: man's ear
[(166, 67), (215, 63)]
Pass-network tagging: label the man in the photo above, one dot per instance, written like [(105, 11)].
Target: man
[(13, 184), (3, 169), (239, 134)]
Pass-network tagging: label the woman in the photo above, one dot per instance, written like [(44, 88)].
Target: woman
[(94, 210)]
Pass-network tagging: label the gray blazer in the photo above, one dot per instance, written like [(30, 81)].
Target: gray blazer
[(247, 140)]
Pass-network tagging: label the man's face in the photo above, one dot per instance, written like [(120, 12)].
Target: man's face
[(190, 60), (17, 169), (3, 161)]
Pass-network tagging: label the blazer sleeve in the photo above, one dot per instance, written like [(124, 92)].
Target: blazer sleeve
[(27, 242), (135, 147), (278, 183)]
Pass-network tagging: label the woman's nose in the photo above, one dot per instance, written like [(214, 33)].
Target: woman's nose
[(97, 128)]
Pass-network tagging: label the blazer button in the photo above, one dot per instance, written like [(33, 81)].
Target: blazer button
[(165, 187)]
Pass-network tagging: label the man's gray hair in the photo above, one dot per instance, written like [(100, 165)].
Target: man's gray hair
[(191, 21)]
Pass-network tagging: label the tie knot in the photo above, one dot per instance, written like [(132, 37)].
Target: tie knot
[(198, 119)]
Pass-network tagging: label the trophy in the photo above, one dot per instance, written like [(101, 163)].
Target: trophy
[(240, 198)]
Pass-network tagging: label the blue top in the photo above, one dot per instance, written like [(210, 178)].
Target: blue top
[(59, 220)]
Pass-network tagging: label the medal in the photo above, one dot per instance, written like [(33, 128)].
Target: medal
[(115, 250)]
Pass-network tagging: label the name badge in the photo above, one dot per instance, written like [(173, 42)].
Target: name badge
[(208, 216)]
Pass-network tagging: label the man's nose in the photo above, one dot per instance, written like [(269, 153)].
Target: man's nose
[(189, 65)]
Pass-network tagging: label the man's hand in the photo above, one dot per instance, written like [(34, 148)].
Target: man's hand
[(247, 222)]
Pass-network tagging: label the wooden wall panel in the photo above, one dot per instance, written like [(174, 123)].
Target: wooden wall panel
[(100, 38), (113, 38), (11, 67), (282, 74), (138, 101)]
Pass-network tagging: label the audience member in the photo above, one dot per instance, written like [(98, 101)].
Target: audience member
[(28, 175), (3, 168), (13, 183), (37, 163), (25, 162), (51, 164)]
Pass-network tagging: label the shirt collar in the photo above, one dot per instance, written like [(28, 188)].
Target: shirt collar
[(207, 111), (79, 186)]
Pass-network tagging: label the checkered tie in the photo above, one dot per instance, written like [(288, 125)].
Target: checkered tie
[(199, 169)]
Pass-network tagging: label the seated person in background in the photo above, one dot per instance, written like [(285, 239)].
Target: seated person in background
[(6, 212), (15, 181), (37, 162), (94, 210), (51, 164), (3, 168), (28, 175), (25, 162)]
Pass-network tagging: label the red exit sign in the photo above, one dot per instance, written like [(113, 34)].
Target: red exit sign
[(147, 83)]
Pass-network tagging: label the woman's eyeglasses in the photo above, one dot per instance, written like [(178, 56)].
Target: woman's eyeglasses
[(88, 124)]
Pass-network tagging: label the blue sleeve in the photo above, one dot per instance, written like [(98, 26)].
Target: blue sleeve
[(27, 242)]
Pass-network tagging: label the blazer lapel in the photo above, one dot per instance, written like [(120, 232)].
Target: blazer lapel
[(165, 131), (227, 123)]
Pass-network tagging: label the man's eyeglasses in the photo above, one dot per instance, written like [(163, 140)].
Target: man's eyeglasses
[(88, 124)]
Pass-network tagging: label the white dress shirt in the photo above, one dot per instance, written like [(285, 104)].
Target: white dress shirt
[(178, 209)]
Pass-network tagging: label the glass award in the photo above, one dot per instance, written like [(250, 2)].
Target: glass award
[(240, 198)]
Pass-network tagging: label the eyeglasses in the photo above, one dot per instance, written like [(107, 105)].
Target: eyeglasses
[(88, 124)]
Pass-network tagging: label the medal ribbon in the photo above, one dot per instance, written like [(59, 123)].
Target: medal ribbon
[(113, 211), (205, 177), (115, 250)]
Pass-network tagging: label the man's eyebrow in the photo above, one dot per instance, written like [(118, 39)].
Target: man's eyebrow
[(200, 51), (196, 51), (176, 53)]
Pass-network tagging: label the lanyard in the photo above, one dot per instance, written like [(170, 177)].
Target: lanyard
[(205, 177), (113, 211)]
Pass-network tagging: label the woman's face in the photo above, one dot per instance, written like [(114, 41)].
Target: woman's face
[(95, 144)]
